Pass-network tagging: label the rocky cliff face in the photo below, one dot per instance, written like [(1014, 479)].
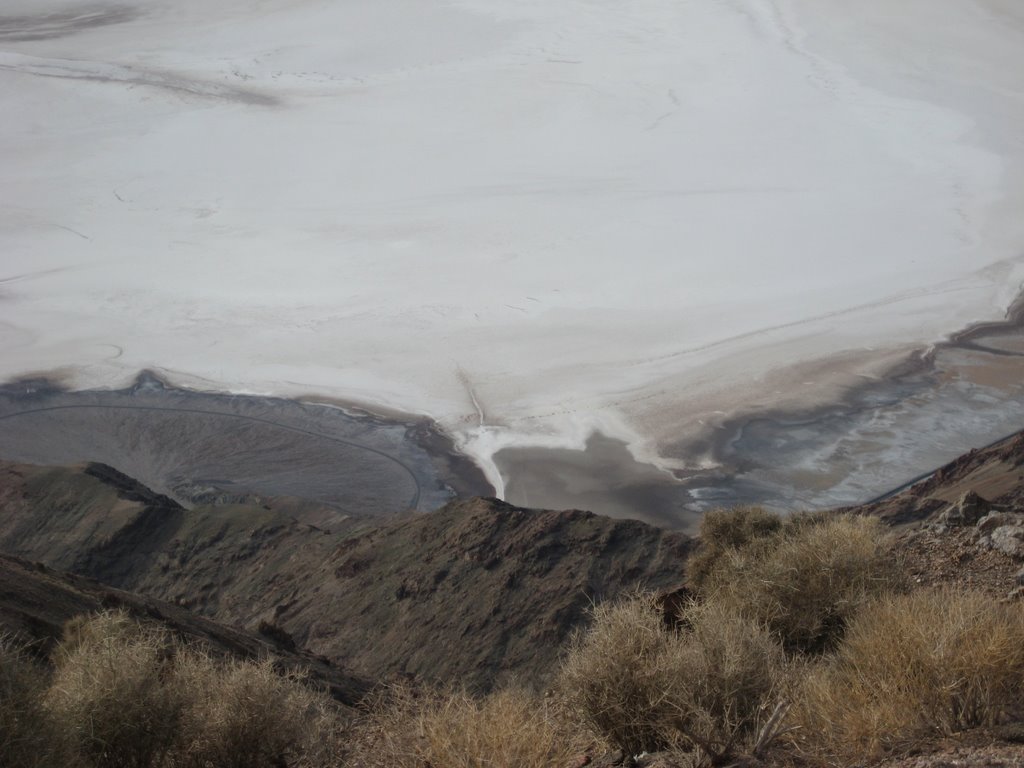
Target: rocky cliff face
[(474, 593)]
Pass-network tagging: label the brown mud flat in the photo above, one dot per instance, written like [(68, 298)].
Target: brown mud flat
[(198, 447)]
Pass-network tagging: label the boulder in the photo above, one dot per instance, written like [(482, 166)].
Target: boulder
[(1008, 539), (996, 520), (967, 511)]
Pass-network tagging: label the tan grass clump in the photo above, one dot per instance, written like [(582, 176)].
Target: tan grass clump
[(245, 714), (910, 667), (726, 530), (646, 688), (805, 580), (129, 696), (108, 695), (512, 728)]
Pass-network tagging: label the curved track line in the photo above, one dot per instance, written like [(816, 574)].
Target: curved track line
[(413, 502)]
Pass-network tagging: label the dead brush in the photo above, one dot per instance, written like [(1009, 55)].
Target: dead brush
[(645, 688), (807, 579), (242, 714), (29, 737), (933, 662), (512, 728), (107, 693), (725, 530)]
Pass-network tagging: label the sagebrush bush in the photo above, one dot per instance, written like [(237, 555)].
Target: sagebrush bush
[(108, 694), (805, 579), (614, 675), (244, 714), (645, 687), (910, 666), (128, 695), (28, 736), (722, 530), (729, 669), (512, 728)]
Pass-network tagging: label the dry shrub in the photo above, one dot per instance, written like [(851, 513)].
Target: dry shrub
[(729, 669), (247, 715), (512, 728), (646, 688), (805, 580), (107, 692), (723, 530), (913, 666), (28, 736), (127, 695)]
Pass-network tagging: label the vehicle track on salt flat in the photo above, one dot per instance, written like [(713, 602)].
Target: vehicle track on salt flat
[(413, 502)]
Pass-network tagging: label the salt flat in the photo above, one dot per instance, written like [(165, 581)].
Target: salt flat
[(528, 220)]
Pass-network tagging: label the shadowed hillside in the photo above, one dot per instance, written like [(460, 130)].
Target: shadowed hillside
[(495, 588), (36, 603)]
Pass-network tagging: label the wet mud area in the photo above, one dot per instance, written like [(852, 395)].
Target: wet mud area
[(215, 448), (965, 393)]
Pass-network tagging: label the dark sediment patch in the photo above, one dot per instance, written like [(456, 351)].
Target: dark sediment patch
[(171, 82), (602, 478), (963, 393), (55, 24), (215, 448)]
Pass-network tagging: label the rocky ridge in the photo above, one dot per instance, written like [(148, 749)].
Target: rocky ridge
[(474, 593), (964, 523)]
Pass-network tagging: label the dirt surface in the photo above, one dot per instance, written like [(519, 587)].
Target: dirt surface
[(953, 558), (995, 748)]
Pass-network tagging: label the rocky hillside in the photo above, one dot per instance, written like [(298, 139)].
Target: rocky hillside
[(995, 473), (35, 603), (474, 593), (964, 523)]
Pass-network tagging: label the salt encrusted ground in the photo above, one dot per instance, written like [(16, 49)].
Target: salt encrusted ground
[(527, 220)]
